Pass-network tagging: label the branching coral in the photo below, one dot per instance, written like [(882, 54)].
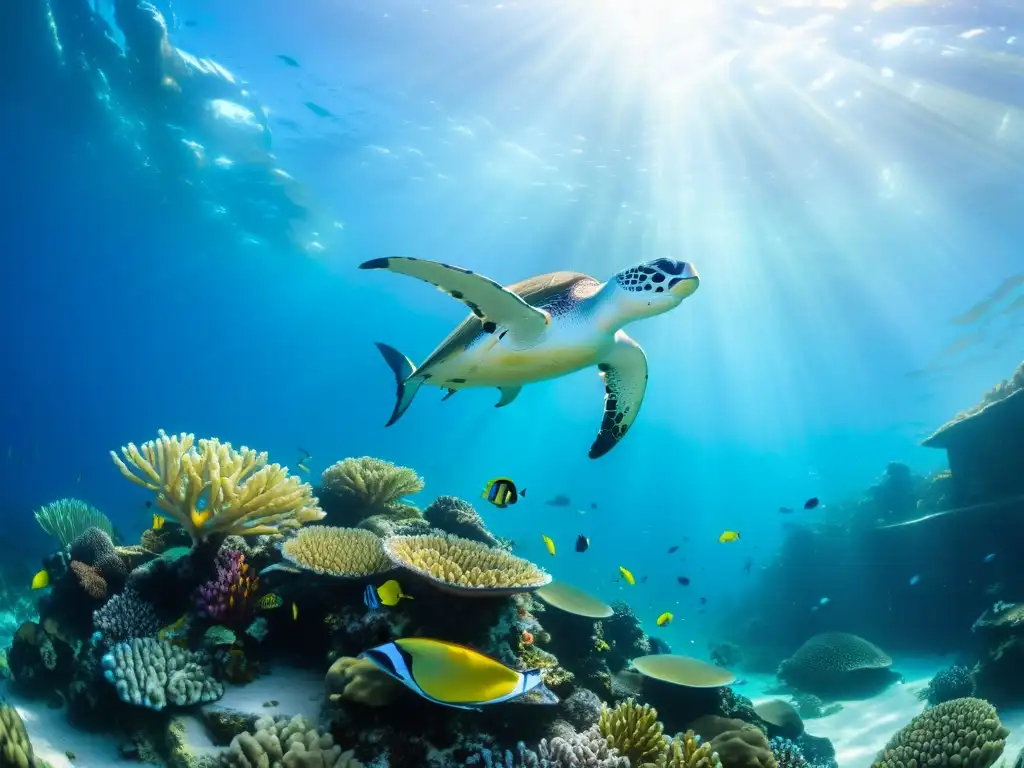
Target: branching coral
[(15, 747), (686, 751), (954, 682), (227, 596), (461, 565), (962, 733), (286, 743), (343, 552), (126, 616), (155, 674), (633, 730), (66, 519), (244, 495), (368, 486)]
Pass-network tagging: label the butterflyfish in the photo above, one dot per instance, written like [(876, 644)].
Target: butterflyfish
[(582, 543), (627, 576), (455, 676), (302, 466), (665, 618), (158, 522), (549, 544), (295, 612), (41, 580), (388, 593), (811, 503), (269, 602), (502, 492), (728, 536)]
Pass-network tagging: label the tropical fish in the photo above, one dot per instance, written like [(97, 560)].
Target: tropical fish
[(728, 536), (549, 544), (703, 601), (785, 510), (673, 549), (582, 543), (303, 463), (748, 565), (915, 579), (990, 558), (561, 500), (149, 504), (684, 580), (288, 60), (593, 505), (317, 110), (501, 492), (158, 522), (643, 579), (665, 618), (295, 612), (302, 466), (270, 602), (824, 601), (41, 580), (455, 676), (627, 576), (811, 503), (388, 593)]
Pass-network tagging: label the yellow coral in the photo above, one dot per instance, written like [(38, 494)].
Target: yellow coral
[(462, 565), (245, 496), (686, 751), (15, 747), (962, 733), (360, 681), (344, 552), (374, 484), (634, 731)]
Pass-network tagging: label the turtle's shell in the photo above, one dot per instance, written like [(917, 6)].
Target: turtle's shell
[(535, 291)]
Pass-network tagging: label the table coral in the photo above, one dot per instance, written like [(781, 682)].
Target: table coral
[(342, 552), (244, 494), (155, 674)]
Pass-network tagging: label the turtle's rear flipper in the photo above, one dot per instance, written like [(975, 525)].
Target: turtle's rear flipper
[(624, 371), (520, 324), (407, 386)]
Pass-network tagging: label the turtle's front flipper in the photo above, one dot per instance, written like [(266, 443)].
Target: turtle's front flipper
[(508, 394), (520, 324), (624, 370)]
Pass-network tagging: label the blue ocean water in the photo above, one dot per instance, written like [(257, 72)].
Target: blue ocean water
[(845, 183)]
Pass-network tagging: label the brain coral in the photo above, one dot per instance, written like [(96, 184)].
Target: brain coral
[(834, 662), (344, 552), (460, 565), (372, 486), (962, 733)]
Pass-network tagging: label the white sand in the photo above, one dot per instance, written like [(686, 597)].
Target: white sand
[(296, 691)]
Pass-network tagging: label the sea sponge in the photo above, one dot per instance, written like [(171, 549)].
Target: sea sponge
[(962, 733), (126, 616), (349, 553), (745, 747), (155, 674), (686, 751), (459, 565), (15, 747), (834, 663), (92, 583), (370, 486), (245, 495), (634, 731), (457, 517), (360, 681), (66, 519), (286, 743)]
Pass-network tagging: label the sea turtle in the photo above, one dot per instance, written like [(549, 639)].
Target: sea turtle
[(542, 328)]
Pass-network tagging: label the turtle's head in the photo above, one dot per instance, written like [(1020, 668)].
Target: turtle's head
[(651, 288)]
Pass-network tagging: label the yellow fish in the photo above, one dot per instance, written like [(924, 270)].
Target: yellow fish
[(158, 522), (269, 602), (301, 465), (549, 544), (502, 492), (728, 536), (41, 580), (390, 593), (295, 612), (627, 576), (665, 618)]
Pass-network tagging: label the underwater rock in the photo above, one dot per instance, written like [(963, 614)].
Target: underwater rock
[(999, 676), (40, 662), (782, 718), (838, 665), (895, 496), (726, 654)]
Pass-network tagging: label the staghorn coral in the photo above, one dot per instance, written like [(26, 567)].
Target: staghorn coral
[(244, 495), (343, 552), (836, 663), (126, 616), (962, 733), (457, 517), (368, 486), (228, 595), (155, 674), (686, 751), (15, 747), (633, 730), (951, 683), (92, 583), (460, 565), (66, 520), (285, 743), (588, 749)]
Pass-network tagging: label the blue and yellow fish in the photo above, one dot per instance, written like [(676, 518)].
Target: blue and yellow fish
[(456, 676), (502, 492), (158, 522), (41, 580), (388, 593)]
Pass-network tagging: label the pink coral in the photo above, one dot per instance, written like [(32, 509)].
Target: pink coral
[(228, 595)]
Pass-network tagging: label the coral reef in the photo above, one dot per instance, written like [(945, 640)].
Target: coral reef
[(837, 665), (457, 517), (126, 616), (359, 488), (686, 751), (227, 597), (811, 707), (962, 733), (954, 682), (783, 717), (155, 674), (66, 520), (351, 553), (15, 747), (286, 743), (460, 565), (744, 747), (634, 731), (895, 496), (244, 495)]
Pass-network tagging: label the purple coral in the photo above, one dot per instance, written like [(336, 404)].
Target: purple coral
[(227, 595)]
